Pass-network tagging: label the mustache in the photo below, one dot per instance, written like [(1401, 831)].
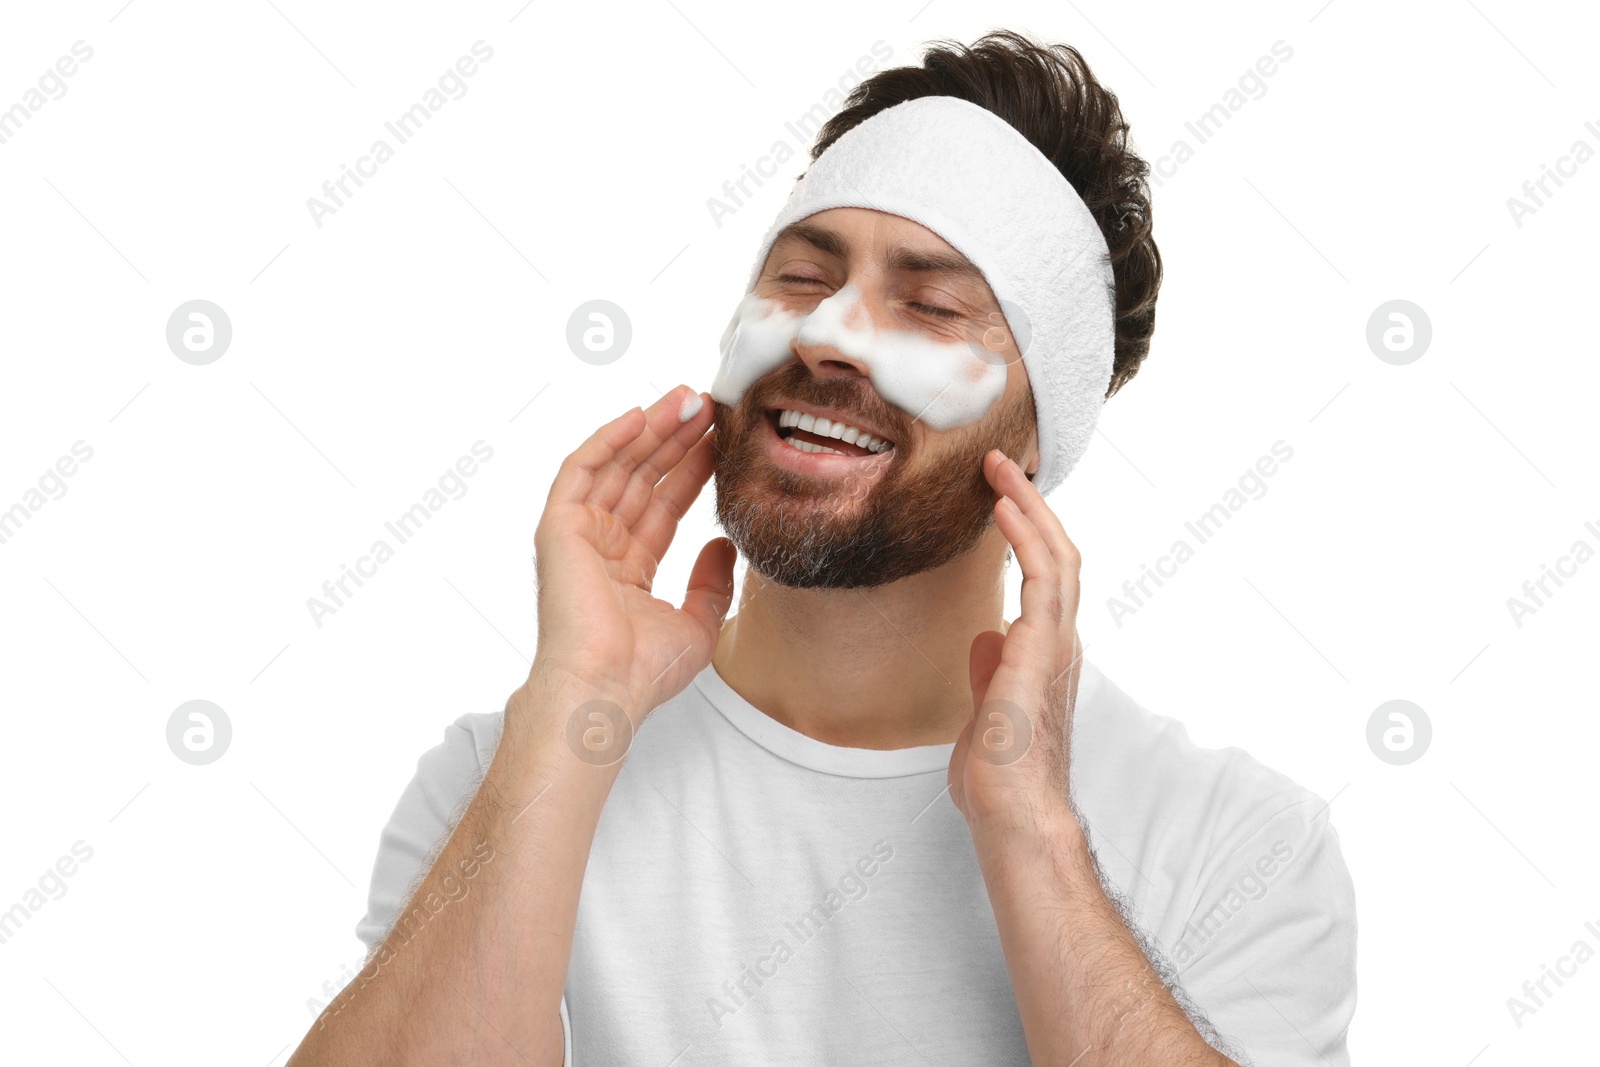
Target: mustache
[(852, 397)]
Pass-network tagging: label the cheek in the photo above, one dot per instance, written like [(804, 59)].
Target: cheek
[(757, 341), (944, 385)]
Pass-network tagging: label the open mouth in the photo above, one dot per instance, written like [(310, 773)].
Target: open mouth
[(805, 432)]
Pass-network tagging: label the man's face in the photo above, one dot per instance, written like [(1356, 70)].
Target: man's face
[(812, 519)]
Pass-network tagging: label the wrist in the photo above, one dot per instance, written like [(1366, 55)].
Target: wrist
[(560, 714), (1028, 829), (538, 766), (563, 680)]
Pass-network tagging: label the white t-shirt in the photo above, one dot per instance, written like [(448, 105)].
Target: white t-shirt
[(756, 896)]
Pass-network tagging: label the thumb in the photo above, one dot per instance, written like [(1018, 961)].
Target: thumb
[(710, 592), (983, 660)]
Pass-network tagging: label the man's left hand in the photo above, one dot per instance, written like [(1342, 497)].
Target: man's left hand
[(1009, 767)]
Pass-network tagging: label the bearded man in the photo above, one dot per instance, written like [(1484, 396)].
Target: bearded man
[(864, 818)]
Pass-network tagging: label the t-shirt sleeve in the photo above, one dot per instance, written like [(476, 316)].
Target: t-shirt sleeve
[(1268, 954), (447, 778)]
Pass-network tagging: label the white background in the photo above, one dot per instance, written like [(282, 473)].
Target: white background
[(369, 353)]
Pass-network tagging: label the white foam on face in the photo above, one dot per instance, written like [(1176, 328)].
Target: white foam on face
[(755, 344), (944, 384)]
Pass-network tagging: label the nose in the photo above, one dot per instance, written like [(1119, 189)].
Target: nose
[(836, 338)]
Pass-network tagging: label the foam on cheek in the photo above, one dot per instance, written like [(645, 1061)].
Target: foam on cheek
[(756, 343), (943, 384)]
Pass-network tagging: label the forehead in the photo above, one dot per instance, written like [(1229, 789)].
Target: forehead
[(892, 242)]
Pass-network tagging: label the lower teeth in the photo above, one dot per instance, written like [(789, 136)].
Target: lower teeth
[(807, 446)]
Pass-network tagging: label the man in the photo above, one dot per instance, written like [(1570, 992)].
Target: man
[(773, 873)]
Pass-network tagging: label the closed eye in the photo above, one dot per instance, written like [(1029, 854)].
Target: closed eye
[(927, 309)]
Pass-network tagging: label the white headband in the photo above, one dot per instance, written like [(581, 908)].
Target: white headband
[(970, 177)]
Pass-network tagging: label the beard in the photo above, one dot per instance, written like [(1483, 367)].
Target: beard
[(861, 529)]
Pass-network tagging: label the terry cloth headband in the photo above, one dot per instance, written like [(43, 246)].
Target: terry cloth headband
[(970, 177)]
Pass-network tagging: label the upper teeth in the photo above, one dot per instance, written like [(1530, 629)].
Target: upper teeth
[(850, 435)]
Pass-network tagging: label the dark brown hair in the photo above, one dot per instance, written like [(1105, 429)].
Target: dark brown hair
[(1048, 94)]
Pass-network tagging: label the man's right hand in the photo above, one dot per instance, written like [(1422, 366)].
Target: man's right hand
[(481, 981), (612, 511)]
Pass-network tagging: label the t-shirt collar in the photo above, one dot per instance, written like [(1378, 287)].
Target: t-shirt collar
[(797, 748)]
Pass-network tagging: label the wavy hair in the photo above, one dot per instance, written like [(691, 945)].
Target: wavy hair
[(1048, 94)]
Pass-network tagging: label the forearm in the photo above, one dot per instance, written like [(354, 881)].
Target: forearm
[(474, 967), (1085, 991)]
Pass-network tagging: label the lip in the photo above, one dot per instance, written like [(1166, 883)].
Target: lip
[(825, 413), (817, 464)]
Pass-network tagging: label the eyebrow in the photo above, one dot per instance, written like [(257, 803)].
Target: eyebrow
[(901, 258)]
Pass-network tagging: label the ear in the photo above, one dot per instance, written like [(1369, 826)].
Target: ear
[(1029, 457), (1034, 459)]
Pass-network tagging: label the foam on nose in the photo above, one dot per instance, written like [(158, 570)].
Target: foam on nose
[(828, 324), (944, 384)]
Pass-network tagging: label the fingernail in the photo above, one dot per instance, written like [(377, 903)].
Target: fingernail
[(691, 407)]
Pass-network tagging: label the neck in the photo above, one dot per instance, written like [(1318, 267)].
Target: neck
[(878, 668)]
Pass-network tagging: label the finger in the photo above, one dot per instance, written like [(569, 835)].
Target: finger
[(710, 591), (1007, 478), (673, 496), (672, 435), (575, 477), (982, 661), (653, 452), (641, 485), (1041, 578), (1005, 472)]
